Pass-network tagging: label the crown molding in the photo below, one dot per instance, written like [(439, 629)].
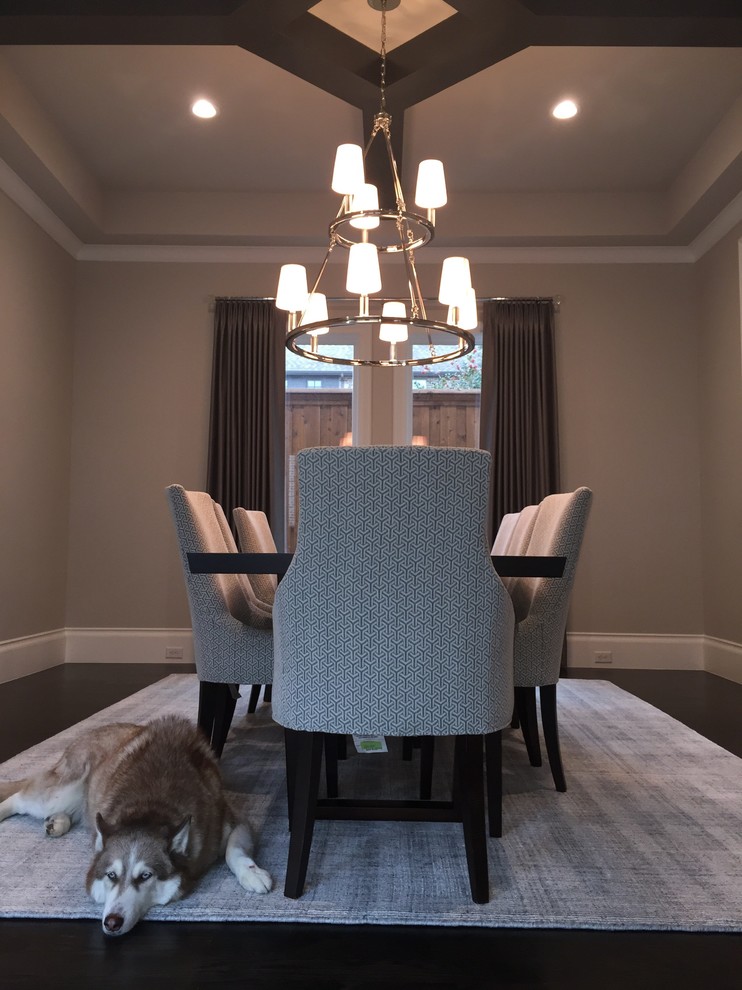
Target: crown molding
[(729, 217), (186, 253), (25, 198)]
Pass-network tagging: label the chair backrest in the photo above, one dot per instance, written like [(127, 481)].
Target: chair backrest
[(249, 608), (255, 607), (220, 607), (391, 618), (520, 537), (255, 536), (541, 604), (504, 532), (517, 536)]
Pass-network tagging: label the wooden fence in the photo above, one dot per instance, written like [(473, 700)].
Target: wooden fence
[(321, 418)]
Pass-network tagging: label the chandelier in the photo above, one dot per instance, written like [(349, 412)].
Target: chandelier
[(367, 231)]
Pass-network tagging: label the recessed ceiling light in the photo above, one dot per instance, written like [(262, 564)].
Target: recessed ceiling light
[(564, 110), (203, 108)]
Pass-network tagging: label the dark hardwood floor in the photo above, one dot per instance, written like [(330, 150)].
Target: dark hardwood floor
[(74, 954)]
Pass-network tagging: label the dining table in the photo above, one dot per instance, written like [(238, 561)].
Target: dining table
[(511, 565)]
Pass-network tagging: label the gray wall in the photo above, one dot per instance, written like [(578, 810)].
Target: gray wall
[(649, 368), (629, 427), (721, 435), (36, 332)]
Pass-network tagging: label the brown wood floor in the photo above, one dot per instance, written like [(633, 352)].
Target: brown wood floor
[(74, 954)]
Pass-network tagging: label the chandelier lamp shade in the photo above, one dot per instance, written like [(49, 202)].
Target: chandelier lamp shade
[(366, 231)]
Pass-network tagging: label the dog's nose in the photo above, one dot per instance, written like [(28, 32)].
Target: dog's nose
[(113, 923)]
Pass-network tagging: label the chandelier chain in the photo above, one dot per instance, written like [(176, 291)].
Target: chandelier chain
[(383, 55)]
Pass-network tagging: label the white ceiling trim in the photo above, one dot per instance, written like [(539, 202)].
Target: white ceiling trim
[(729, 217), (23, 196), (195, 254)]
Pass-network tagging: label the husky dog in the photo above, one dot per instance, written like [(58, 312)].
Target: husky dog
[(153, 796)]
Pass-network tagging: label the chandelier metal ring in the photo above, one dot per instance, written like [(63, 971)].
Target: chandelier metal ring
[(466, 339), (421, 228)]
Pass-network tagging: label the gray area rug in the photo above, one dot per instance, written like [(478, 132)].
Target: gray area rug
[(648, 836)]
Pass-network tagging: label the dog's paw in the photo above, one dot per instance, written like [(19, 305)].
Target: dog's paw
[(56, 825), (252, 878)]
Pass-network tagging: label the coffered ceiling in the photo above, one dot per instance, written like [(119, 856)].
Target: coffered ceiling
[(97, 138)]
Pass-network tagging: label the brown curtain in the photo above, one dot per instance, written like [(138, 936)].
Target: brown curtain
[(246, 432), (518, 422)]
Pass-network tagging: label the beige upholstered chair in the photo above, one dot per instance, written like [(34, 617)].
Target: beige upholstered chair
[(504, 532), (254, 536), (541, 606), (232, 635), (260, 606), (520, 534)]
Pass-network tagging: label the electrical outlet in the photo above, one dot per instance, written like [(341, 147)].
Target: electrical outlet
[(603, 656), (173, 652)]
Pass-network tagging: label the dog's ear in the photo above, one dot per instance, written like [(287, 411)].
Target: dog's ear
[(179, 838), (102, 831)]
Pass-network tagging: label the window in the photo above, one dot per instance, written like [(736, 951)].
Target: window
[(319, 406), (446, 399)]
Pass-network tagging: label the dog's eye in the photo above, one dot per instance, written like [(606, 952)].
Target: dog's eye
[(145, 875), (112, 876)]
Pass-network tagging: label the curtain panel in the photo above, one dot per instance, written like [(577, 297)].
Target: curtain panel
[(518, 422), (246, 430)]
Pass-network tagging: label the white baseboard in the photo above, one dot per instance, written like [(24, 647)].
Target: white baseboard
[(128, 645), (723, 658), (650, 651), (30, 654)]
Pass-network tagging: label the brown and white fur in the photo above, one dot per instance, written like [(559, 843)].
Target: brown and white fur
[(153, 796)]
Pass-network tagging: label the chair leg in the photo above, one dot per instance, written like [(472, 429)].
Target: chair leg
[(342, 747), (331, 764), (306, 787), (216, 703), (223, 719), (205, 717), (493, 757), (427, 749), (290, 748), (547, 695), (254, 695), (268, 693), (407, 743), (525, 706), (469, 798)]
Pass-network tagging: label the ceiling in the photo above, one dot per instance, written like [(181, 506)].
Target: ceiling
[(98, 143)]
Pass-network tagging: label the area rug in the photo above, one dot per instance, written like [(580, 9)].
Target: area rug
[(648, 835)]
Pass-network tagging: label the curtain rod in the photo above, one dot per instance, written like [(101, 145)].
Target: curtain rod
[(554, 300)]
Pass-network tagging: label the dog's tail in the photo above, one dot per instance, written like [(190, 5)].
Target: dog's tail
[(8, 787)]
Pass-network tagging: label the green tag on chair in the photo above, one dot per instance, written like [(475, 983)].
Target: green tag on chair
[(370, 744)]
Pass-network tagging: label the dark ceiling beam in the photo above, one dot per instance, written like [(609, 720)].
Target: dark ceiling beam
[(454, 50), (630, 8), (656, 32), (114, 30), (480, 33)]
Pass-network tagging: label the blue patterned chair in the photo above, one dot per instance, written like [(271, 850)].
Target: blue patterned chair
[(232, 634), (391, 607), (541, 606)]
